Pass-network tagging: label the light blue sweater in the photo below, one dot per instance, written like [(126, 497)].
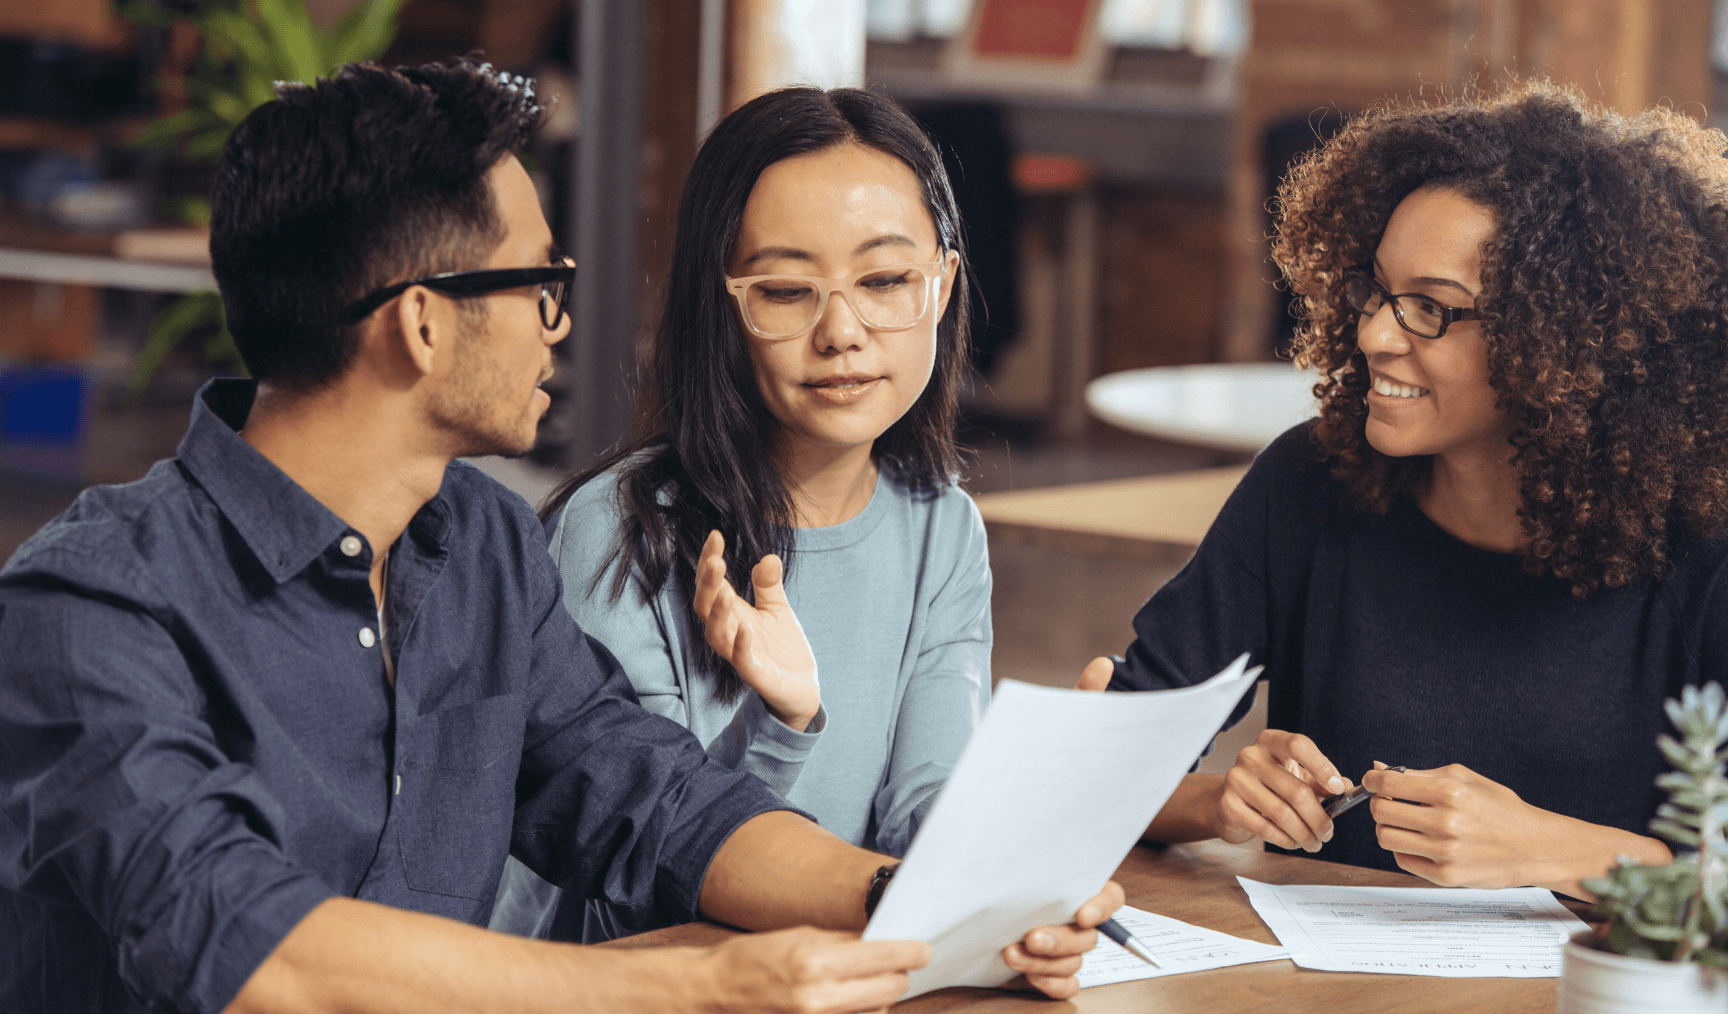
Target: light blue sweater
[(896, 605)]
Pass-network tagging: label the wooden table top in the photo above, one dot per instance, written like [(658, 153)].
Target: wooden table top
[(1154, 518), (1197, 884)]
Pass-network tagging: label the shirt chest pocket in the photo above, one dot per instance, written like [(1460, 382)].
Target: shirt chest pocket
[(458, 797)]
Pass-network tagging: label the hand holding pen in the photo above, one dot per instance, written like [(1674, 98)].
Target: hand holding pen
[(1273, 791)]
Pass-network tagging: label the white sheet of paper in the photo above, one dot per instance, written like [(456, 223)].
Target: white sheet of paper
[(1453, 932), (1178, 947), (1053, 790)]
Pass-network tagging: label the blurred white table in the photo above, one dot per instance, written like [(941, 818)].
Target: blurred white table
[(1228, 406)]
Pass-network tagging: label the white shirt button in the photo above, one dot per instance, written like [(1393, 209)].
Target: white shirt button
[(367, 637), (350, 545)]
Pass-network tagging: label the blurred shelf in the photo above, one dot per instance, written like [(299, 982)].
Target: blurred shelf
[(36, 132), (109, 272), (23, 233), (152, 260)]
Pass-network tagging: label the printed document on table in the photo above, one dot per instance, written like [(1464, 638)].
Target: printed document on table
[(1050, 794), (1455, 932), (1178, 947)]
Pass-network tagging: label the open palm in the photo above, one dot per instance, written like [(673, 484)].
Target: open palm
[(764, 641)]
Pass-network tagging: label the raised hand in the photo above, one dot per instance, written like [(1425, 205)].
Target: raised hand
[(1273, 792), (764, 642), (1457, 828)]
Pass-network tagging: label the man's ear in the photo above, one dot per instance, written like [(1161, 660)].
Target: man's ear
[(419, 334), (950, 275)]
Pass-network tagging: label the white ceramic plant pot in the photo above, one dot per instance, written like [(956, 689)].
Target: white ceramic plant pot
[(1599, 982)]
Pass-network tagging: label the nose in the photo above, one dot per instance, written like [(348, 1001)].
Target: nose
[(1379, 333), (839, 329)]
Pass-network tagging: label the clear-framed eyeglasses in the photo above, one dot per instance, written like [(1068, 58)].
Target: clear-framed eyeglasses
[(892, 297), (1415, 313)]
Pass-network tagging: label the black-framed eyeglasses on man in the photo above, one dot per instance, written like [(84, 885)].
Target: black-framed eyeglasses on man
[(555, 281), (1418, 314)]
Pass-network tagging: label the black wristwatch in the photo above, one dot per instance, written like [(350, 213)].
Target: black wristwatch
[(878, 885)]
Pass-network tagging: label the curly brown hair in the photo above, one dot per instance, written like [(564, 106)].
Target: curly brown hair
[(1603, 303)]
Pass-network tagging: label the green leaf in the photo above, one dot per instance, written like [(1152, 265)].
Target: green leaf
[(205, 147), (1677, 755), (170, 327), (294, 38), (250, 45), (364, 33), (1674, 832)]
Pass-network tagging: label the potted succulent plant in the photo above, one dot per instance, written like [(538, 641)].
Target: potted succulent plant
[(1665, 947)]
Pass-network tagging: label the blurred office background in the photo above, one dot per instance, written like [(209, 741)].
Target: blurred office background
[(1115, 197)]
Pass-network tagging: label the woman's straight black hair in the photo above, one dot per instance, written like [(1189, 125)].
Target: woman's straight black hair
[(700, 455)]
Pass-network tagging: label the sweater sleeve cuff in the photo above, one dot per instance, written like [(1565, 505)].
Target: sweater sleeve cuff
[(774, 751)]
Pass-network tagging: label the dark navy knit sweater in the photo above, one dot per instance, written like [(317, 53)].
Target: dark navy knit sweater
[(1384, 638)]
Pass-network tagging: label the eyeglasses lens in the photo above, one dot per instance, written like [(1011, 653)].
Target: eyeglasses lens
[(552, 304), (1361, 292), (890, 299), (1416, 315)]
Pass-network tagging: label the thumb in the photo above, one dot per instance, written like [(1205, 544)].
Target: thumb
[(766, 577), (1096, 675)]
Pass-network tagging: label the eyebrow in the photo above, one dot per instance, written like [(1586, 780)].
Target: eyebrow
[(1429, 280), (795, 254)]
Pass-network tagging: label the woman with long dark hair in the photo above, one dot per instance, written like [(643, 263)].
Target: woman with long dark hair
[(795, 446), (1504, 540)]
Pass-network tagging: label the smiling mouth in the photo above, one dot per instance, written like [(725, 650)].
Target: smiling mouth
[(1388, 389)]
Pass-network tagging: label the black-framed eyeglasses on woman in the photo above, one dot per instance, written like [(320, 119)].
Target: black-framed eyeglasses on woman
[(555, 281), (1416, 313)]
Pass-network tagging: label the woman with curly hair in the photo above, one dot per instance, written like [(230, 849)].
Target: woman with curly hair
[(1501, 544)]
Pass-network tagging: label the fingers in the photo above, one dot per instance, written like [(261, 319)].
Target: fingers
[(1050, 958), (1101, 906), (1016, 956), (710, 574), (1430, 787), (851, 958), (1057, 988), (1302, 750), (1097, 674), (1057, 942), (1260, 795), (766, 577), (743, 655), (875, 992), (855, 975), (1243, 808)]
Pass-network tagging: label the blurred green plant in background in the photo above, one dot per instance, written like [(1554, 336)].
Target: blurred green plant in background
[(1679, 912), (250, 46)]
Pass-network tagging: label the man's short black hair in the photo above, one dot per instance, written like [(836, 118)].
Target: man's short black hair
[(333, 190)]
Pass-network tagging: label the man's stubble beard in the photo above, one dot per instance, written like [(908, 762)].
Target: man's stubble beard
[(466, 408)]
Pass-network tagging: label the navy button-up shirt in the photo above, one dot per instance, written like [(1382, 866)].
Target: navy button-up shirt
[(199, 741)]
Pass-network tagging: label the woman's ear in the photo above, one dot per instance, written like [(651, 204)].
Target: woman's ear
[(950, 274)]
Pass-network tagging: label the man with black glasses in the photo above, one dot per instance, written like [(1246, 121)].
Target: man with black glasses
[(272, 717)]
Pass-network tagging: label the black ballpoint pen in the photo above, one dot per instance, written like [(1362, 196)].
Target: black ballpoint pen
[(1119, 933), (1335, 805)]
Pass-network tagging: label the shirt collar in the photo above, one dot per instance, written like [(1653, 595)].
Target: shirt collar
[(284, 526)]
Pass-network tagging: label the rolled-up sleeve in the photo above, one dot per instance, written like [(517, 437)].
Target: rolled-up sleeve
[(115, 798)]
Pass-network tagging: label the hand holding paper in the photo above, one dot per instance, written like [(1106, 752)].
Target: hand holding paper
[(985, 868)]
